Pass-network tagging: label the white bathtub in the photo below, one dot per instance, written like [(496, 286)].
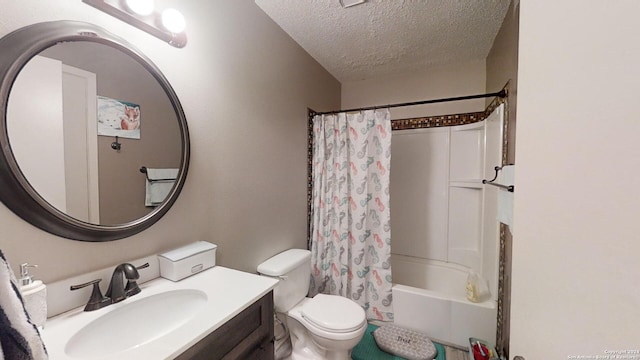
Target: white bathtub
[(430, 296)]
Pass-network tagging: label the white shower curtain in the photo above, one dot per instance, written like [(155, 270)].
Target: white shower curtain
[(350, 221)]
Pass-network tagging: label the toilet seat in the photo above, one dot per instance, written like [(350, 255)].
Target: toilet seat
[(334, 314)]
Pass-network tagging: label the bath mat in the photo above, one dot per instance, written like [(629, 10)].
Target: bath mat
[(405, 342), (367, 349)]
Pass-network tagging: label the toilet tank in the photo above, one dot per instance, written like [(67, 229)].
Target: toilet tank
[(292, 268)]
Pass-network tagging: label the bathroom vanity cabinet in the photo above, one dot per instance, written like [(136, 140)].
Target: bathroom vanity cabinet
[(248, 335)]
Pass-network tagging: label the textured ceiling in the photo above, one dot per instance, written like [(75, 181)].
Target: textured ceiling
[(383, 37)]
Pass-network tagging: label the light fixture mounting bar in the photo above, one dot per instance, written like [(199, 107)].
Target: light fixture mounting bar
[(348, 3), (144, 23)]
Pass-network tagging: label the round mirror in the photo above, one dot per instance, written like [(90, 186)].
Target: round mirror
[(95, 144)]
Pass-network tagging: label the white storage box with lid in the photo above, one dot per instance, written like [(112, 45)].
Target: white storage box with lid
[(188, 260)]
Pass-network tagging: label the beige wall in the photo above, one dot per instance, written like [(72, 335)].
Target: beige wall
[(576, 242), (245, 87), (502, 67), (433, 83)]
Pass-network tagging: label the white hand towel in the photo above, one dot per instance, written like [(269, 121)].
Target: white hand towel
[(19, 337)]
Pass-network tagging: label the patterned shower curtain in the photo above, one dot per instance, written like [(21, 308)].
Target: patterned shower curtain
[(350, 221)]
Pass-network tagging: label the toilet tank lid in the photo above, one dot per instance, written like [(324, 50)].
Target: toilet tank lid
[(284, 262)]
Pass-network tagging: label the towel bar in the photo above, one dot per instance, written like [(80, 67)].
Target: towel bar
[(144, 171), (509, 188)]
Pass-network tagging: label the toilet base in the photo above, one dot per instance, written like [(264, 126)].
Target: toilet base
[(282, 344), (309, 346), (305, 348)]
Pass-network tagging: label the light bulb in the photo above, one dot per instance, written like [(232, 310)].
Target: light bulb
[(173, 21), (140, 7)]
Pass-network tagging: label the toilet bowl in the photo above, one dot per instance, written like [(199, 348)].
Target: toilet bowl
[(323, 327)]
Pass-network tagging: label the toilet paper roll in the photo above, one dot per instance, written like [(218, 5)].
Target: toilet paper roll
[(35, 302)]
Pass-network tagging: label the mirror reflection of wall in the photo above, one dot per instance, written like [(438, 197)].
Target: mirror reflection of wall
[(36, 128), (97, 179)]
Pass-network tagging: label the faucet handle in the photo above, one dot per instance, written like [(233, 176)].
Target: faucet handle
[(143, 266), (96, 301), (132, 287)]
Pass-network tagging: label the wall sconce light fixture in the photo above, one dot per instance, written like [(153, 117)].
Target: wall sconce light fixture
[(167, 25)]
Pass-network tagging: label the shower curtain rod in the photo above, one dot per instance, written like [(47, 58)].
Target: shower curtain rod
[(502, 93)]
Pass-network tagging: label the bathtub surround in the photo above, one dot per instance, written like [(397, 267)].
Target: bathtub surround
[(350, 218), (504, 267), (441, 208), (432, 253)]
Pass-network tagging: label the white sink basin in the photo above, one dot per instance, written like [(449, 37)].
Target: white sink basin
[(136, 323)]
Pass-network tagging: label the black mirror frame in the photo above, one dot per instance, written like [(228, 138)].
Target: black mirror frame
[(18, 47)]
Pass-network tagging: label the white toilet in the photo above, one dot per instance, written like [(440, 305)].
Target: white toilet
[(322, 327)]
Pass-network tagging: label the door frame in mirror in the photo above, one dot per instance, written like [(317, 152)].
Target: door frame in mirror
[(20, 46)]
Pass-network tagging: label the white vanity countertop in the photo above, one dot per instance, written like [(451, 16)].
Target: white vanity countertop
[(228, 292)]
